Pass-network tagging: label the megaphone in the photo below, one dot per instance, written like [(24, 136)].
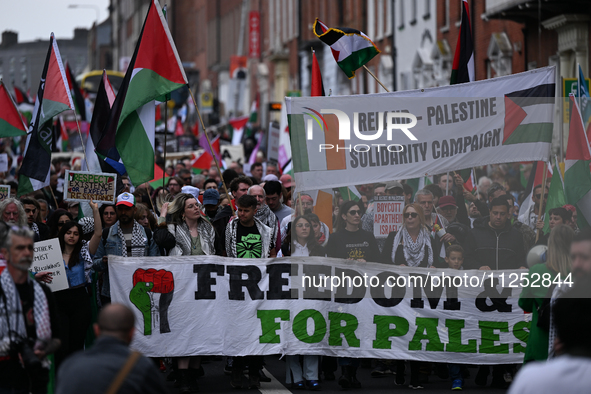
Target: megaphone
[(537, 255)]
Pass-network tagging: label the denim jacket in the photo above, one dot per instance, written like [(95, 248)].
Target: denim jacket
[(114, 245)]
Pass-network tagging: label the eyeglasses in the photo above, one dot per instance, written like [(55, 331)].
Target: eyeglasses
[(410, 214), (354, 212), (540, 195), (302, 225)]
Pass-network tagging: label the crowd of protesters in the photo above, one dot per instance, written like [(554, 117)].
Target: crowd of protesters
[(253, 216)]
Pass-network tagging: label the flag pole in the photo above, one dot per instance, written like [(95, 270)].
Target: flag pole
[(543, 192), (150, 196), (215, 159), (376, 78), (165, 133), (53, 195), (81, 141)]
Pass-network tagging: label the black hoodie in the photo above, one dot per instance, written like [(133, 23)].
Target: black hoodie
[(498, 249)]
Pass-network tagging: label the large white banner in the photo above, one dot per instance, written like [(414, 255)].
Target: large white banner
[(351, 140), (208, 305)]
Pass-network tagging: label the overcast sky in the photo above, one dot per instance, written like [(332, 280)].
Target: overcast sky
[(37, 19)]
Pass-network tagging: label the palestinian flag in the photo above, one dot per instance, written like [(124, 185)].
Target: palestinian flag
[(21, 97), (61, 135), (237, 126), (577, 178), (317, 87), (350, 47), (463, 65), (11, 123), (536, 177), (155, 70), (529, 115), (53, 97), (254, 111), (470, 184), (76, 94), (105, 97), (159, 174)]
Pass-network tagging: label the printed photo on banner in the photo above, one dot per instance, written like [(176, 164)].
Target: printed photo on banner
[(48, 258), (4, 192), (86, 186)]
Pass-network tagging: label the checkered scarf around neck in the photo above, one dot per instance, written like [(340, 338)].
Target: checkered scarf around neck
[(265, 215), (138, 240), (414, 252), (10, 304)]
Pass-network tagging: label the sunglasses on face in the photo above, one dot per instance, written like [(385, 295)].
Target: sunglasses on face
[(354, 212), (187, 180), (539, 195), (410, 214)]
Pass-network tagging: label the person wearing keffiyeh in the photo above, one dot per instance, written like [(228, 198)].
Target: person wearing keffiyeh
[(264, 213), (126, 238), (26, 317)]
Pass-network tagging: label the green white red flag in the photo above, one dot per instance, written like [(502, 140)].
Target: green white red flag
[(577, 178), (155, 70), (11, 122), (53, 97), (351, 48)]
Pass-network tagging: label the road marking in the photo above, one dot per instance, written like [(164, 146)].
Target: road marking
[(274, 386)]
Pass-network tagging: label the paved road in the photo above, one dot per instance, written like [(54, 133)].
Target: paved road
[(215, 381)]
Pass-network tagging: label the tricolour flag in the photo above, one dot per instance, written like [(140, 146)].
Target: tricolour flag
[(155, 70), (350, 47), (53, 97), (76, 94), (350, 193), (577, 178), (556, 197), (536, 177), (317, 87), (11, 122), (470, 184), (463, 65), (237, 126), (105, 97)]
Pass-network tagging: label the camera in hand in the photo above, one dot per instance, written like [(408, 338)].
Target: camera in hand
[(22, 347)]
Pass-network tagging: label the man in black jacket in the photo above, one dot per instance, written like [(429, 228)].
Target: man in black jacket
[(94, 370), (499, 246)]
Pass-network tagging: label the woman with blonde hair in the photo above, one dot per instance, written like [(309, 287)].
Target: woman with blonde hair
[(187, 233), (535, 296)]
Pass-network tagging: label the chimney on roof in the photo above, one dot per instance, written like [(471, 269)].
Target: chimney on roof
[(9, 38)]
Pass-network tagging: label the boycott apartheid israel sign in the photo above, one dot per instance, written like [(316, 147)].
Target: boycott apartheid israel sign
[(351, 140), (207, 305), (387, 215), (86, 186)]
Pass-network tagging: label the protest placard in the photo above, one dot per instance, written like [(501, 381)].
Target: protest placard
[(4, 192), (48, 257), (86, 186), (320, 306), (3, 162), (387, 215)]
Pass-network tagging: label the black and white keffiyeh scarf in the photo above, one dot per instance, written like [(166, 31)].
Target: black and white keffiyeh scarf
[(35, 228), (138, 240), (12, 321), (414, 252), (266, 216)]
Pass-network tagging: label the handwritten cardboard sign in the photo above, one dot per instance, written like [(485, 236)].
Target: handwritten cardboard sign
[(4, 192), (48, 257), (387, 216), (86, 186)]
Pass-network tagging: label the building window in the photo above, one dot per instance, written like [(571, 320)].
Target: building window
[(371, 19), (427, 13), (500, 53), (445, 27), (413, 20)]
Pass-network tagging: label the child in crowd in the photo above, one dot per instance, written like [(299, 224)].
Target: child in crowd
[(454, 257)]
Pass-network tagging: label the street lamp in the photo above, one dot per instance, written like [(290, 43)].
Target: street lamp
[(97, 10)]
